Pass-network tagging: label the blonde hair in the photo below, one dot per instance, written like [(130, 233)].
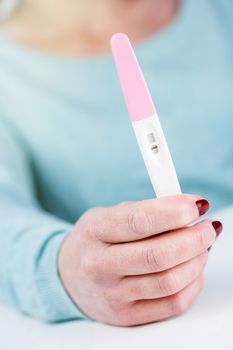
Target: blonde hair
[(7, 7)]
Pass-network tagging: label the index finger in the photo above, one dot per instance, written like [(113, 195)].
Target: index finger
[(137, 220)]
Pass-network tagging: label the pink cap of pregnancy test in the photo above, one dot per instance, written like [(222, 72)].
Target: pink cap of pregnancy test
[(136, 92)]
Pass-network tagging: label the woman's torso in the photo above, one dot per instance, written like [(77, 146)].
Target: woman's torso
[(71, 116)]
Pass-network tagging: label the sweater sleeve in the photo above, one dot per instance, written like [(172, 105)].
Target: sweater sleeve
[(29, 240)]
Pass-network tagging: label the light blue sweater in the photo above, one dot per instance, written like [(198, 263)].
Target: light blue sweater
[(66, 143)]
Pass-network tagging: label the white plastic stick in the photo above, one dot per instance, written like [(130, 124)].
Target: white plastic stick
[(144, 118)]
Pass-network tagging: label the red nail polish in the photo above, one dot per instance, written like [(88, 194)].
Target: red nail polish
[(217, 225), (203, 206)]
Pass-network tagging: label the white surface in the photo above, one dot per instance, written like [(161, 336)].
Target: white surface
[(160, 166), (207, 325)]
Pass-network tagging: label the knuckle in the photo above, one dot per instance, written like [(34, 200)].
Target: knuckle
[(139, 221), (152, 259), (90, 224), (109, 298), (121, 313), (178, 304), (86, 223), (91, 268), (124, 316), (136, 290), (114, 297), (168, 283)]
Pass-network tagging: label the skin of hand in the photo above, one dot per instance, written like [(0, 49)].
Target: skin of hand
[(137, 262)]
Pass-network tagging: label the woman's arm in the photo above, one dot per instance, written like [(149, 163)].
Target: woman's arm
[(29, 239)]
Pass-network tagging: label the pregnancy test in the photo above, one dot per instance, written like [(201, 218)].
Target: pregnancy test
[(144, 119)]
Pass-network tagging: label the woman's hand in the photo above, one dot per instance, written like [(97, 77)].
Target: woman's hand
[(138, 262)]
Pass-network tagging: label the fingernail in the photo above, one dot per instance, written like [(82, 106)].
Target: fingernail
[(217, 225), (203, 206)]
